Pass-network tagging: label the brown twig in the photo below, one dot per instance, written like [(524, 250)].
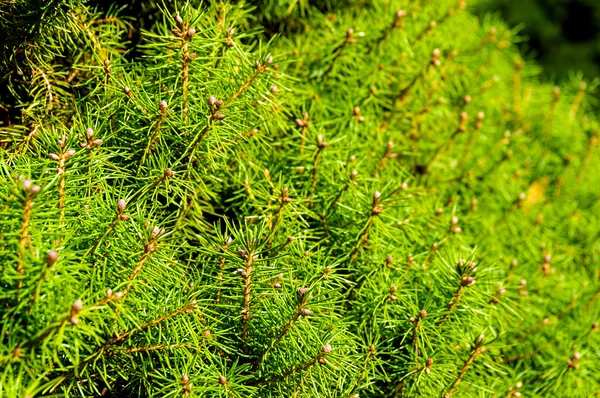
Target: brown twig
[(477, 351), (376, 209)]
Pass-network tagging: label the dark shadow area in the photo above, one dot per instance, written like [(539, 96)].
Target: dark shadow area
[(564, 35)]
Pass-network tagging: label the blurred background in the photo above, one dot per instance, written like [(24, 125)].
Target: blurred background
[(564, 35)]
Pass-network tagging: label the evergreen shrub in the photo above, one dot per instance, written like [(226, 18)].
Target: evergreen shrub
[(284, 198)]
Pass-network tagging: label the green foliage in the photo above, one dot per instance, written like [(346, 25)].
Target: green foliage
[(375, 202)]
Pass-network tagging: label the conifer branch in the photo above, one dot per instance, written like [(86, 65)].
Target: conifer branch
[(260, 69), (462, 127), (127, 91), (274, 223), (518, 65), (335, 201), (71, 317), (592, 142), (320, 358), (162, 113), (321, 145), (246, 274), (185, 33), (417, 322), (61, 159), (121, 204), (389, 153), (166, 175), (466, 281), (51, 258), (304, 123), (375, 211), (29, 191), (300, 311), (397, 23), (118, 339), (551, 113), (223, 250), (134, 350), (578, 100), (478, 350), (23, 145), (150, 247), (338, 51)]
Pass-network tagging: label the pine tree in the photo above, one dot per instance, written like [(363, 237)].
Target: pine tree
[(288, 198)]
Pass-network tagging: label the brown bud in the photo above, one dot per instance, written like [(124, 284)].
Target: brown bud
[(423, 314), (51, 257), (302, 292), (220, 116), (467, 281), (222, 380), (327, 348), (163, 106), (372, 349), (54, 157), (77, 306), (191, 32)]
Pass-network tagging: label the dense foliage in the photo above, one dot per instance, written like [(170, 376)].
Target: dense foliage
[(382, 200)]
